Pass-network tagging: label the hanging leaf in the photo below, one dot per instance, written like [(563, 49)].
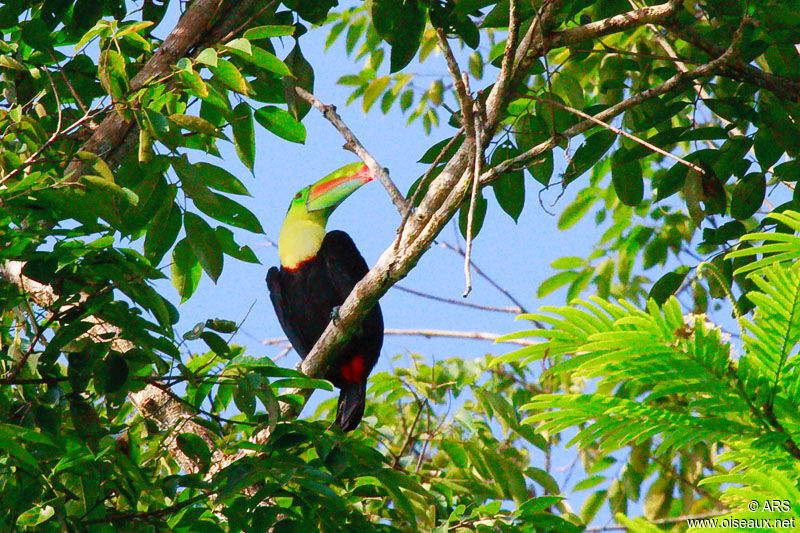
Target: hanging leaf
[(509, 189), (302, 76), (747, 195), (243, 134), (185, 269), (628, 181), (281, 123), (204, 244), (668, 285), (400, 23)]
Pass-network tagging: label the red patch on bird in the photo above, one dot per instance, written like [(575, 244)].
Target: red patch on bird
[(353, 370)]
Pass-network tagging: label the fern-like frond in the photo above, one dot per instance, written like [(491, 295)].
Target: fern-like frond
[(613, 422), (771, 339), (777, 247)]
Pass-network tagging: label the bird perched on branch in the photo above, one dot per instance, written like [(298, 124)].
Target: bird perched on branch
[(318, 270)]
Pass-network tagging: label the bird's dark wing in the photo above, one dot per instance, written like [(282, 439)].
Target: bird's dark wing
[(346, 267), (343, 261), (276, 294)]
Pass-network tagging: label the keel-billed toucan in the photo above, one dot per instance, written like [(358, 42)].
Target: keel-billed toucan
[(318, 270)]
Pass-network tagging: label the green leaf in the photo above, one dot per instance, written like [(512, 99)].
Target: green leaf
[(244, 134), (591, 505), (242, 253), (193, 123), (208, 57), (400, 23), (244, 396), (186, 270), (266, 32), (509, 189), (163, 229), (555, 282), (303, 77), (204, 244), (230, 76), (281, 123), (192, 81), (266, 60), (579, 207), (220, 179), (195, 448), (668, 285), (767, 151), (567, 263), (374, 90), (628, 181), (112, 75), (748, 195), (589, 153), (115, 372), (227, 211), (216, 343), (36, 515)]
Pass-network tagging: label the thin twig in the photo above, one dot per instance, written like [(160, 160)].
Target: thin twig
[(511, 310), (423, 181), (352, 144), (485, 276), (459, 82), (428, 333), (473, 335), (472, 201), (420, 407), (66, 81), (618, 131)]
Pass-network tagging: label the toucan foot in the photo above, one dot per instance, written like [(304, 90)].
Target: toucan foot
[(334, 316)]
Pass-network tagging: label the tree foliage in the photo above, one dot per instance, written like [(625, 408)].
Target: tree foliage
[(670, 124)]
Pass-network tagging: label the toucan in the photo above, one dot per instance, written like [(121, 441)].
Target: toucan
[(317, 272)]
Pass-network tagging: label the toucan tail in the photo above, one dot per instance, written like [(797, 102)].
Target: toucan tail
[(352, 400)]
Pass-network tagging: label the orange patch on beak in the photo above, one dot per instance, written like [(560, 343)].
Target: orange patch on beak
[(364, 174)]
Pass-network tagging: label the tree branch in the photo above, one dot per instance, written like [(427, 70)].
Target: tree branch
[(152, 402)]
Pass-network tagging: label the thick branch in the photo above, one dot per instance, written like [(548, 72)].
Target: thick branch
[(152, 402)]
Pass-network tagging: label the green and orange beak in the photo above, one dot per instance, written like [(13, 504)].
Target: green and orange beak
[(334, 188)]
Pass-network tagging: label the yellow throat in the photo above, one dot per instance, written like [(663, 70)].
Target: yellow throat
[(301, 237)]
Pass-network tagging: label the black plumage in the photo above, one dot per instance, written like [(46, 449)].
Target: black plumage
[(305, 298)]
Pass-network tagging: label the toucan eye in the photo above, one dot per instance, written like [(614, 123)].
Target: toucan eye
[(298, 195)]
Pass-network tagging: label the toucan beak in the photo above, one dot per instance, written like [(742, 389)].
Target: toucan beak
[(332, 190)]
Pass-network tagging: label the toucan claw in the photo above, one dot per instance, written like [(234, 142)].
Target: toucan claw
[(334, 316)]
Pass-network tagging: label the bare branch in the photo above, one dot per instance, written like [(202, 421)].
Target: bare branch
[(516, 310), (476, 172), (459, 82), (354, 145)]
